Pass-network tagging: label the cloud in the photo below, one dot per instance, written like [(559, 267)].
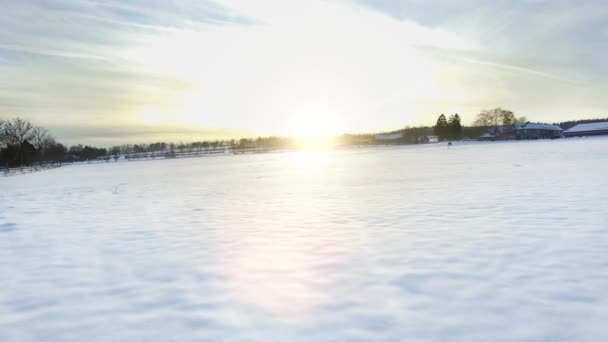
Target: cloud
[(67, 61), (109, 135), (544, 32), (273, 66), (556, 46)]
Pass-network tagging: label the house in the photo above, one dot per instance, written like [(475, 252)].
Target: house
[(537, 131), (597, 128), (500, 132), (427, 139), (487, 137)]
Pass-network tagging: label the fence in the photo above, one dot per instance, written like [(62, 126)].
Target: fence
[(6, 172)]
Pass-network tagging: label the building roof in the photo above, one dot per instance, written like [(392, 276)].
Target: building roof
[(539, 126), (588, 127)]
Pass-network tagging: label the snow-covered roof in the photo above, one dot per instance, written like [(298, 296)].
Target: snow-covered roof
[(544, 127), (597, 126)]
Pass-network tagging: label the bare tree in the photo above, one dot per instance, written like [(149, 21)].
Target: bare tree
[(500, 121), (487, 118), (495, 117), (507, 117), (41, 138), (17, 131)]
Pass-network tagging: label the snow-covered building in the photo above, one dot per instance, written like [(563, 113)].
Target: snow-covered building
[(487, 137), (522, 131), (427, 139), (500, 132), (537, 131), (597, 128)]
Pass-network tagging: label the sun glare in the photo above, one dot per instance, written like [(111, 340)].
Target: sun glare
[(314, 128), (315, 142)]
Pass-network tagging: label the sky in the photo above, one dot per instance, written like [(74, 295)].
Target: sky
[(125, 71)]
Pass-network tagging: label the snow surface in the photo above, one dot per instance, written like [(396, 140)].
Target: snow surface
[(479, 242)]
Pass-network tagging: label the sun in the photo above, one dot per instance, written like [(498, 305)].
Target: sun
[(314, 136), (314, 128)]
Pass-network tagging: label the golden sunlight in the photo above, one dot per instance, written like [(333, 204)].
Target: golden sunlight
[(311, 142), (149, 117), (314, 128)]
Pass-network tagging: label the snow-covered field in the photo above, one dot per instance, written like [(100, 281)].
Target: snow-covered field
[(482, 242)]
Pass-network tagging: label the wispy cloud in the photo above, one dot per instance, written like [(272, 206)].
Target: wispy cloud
[(272, 65), (66, 61), (548, 33)]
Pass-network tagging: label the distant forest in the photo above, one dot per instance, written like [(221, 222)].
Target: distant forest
[(24, 144)]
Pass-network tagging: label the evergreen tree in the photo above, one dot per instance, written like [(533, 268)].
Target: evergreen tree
[(442, 128), (455, 127)]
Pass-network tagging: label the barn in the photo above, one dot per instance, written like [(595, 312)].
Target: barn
[(587, 129), (537, 131)]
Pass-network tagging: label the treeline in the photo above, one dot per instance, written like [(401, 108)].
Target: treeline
[(84, 153), (446, 128), (22, 144), (569, 124), (410, 135), (205, 146)]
